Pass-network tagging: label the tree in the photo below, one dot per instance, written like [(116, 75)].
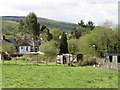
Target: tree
[(21, 26), (82, 24), (43, 28), (104, 39), (46, 34), (78, 32), (73, 46), (32, 25), (82, 29), (50, 36), (63, 44), (56, 34), (90, 25)]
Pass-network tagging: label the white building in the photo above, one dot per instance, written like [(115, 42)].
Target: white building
[(24, 49), (28, 46)]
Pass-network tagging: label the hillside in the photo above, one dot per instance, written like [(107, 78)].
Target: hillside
[(43, 21)]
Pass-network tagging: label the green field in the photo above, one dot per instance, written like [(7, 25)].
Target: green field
[(8, 21), (61, 76)]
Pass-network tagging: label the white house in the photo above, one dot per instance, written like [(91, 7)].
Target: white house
[(24, 49), (28, 47)]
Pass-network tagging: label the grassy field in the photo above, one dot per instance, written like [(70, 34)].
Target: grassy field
[(51, 76), (8, 21)]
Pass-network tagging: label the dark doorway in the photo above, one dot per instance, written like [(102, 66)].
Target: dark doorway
[(64, 60), (110, 58), (118, 59)]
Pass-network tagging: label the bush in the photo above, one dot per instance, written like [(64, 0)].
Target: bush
[(88, 60), (50, 48)]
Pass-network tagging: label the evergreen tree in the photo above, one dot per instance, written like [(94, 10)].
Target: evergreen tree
[(63, 44), (21, 26), (49, 35), (32, 25), (90, 25), (77, 34), (33, 28), (43, 27), (82, 24)]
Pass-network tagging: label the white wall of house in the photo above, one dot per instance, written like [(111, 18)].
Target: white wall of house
[(24, 49)]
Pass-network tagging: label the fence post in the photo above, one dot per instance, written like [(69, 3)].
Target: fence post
[(15, 60), (46, 62), (56, 62), (37, 61), (26, 60)]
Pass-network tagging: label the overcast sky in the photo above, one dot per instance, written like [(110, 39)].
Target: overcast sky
[(63, 10)]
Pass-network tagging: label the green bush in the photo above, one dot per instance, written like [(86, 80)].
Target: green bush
[(50, 48), (88, 60)]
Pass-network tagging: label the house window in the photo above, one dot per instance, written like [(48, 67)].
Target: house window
[(118, 59), (31, 48), (36, 49), (21, 47), (64, 60), (110, 58), (26, 48)]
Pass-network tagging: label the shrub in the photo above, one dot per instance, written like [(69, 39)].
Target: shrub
[(50, 48), (89, 60)]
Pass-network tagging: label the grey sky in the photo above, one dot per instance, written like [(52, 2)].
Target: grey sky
[(63, 10)]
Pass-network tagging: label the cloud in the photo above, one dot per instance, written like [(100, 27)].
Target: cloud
[(63, 10)]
